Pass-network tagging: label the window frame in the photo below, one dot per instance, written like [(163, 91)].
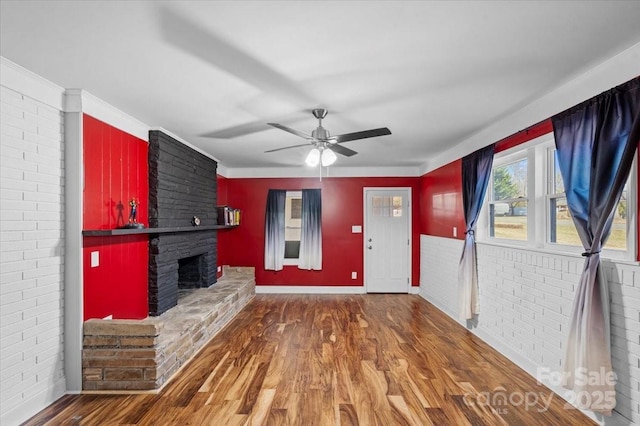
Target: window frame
[(539, 154), (502, 159)]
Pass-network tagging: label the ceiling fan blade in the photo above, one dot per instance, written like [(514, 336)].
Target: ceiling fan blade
[(382, 131), (287, 147), (290, 130), (236, 131), (339, 149)]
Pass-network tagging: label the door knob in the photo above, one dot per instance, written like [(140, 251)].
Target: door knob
[(369, 247), (370, 240)]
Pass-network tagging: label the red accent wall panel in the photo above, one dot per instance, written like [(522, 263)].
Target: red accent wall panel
[(441, 201), (223, 191), (115, 170), (342, 207), (119, 286), (223, 235), (526, 135)]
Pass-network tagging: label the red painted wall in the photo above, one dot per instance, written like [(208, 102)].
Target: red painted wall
[(441, 201), (224, 234), (116, 170), (342, 207), (526, 135)]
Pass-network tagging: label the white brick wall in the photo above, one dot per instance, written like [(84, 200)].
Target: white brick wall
[(31, 255), (525, 300)]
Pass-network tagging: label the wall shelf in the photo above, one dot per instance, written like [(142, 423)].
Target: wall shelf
[(168, 230)]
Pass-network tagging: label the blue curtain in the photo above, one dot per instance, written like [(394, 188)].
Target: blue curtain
[(476, 169), (311, 233), (596, 143), (274, 230)]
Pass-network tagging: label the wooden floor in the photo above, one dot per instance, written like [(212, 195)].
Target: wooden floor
[(334, 360)]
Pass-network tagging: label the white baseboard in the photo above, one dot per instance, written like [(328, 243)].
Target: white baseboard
[(423, 293), (303, 289), (33, 405)]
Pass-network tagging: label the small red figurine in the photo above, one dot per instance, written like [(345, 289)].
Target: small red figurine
[(134, 211)]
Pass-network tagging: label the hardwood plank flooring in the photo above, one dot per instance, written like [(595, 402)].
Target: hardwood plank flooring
[(332, 360)]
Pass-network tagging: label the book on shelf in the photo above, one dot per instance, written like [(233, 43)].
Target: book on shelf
[(228, 216)]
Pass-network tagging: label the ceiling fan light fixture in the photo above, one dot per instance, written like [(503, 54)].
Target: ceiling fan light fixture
[(313, 158), (325, 146), (328, 157)]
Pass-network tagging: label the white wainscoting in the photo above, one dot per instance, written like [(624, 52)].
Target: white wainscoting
[(525, 302)]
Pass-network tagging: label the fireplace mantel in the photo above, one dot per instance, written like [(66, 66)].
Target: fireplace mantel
[(136, 231)]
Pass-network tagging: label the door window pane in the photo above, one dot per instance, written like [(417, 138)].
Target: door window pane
[(387, 206)]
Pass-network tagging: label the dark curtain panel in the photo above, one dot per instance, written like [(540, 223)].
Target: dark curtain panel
[(311, 233), (596, 143), (476, 169), (274, 230)]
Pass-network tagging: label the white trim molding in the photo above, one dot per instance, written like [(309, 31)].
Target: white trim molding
[(78, 100), (195, 148), (30, 84), (302, 289), (327, 172)]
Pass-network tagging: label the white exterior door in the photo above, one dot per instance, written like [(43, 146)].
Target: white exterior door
[(387, 248)]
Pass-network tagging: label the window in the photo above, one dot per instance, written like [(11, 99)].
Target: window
[(508, 199), (526, 204), (292, 227), (561, 228)]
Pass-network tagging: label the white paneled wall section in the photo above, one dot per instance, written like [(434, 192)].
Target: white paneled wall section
[(31, 253), (525, 301)]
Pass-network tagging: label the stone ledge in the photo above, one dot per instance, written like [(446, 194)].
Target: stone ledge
[(143, 355)]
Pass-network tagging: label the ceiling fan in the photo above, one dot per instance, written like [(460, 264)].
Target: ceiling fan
[(326, 146)]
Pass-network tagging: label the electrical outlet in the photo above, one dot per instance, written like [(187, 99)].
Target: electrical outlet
[(354, 275), (95, 259), (219, 268), (455, 231)]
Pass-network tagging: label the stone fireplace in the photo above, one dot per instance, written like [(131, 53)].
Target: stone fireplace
[(182, 184)]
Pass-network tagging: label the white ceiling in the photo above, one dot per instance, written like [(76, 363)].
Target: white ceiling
[(214, 73)]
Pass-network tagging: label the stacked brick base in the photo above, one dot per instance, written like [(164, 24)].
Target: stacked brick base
[(129, 355)]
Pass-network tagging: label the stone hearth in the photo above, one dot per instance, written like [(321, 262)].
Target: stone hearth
[(130, 355)]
